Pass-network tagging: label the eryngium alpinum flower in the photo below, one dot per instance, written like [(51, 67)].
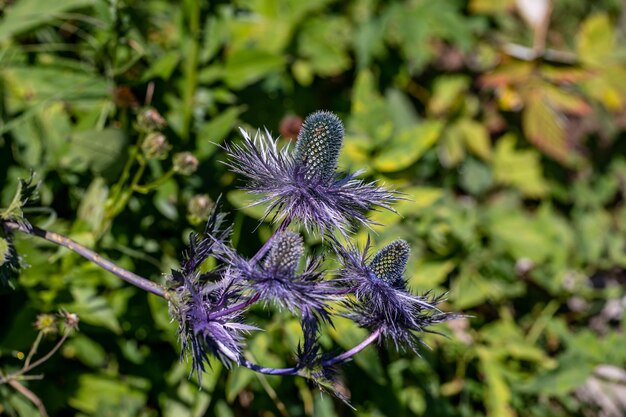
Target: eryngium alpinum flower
[(200, 302), (381, 298), (303, 185), (277, 281)]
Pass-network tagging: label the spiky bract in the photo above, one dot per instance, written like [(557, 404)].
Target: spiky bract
[(199, 302), (303, 185), (381, 299)]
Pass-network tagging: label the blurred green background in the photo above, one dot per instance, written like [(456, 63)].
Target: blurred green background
[(503, 122)]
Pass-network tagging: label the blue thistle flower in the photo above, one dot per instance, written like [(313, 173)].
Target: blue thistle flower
[(200, 302), (303, 185), (276, 280), (381, 299)]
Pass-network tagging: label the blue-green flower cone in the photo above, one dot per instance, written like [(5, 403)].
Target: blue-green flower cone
[(285, 253), (319, 143), (389, 263)]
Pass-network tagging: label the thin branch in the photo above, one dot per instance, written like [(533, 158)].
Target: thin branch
[(33, 349), (92, 256), (45, 357), (525, 53), (30, 395)]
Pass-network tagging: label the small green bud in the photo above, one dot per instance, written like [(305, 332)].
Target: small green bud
[(199, 208), (46, 323), (285, 253), (155, 146), (319, 143), (389, 262), (149, 120), (185, 163)]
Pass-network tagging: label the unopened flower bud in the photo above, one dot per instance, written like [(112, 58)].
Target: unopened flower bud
[(149, 120), (389, 262), (46, 323), (69, 319), (155, 146), (285, 253), (319, 143), (185, 163), (199, 208)]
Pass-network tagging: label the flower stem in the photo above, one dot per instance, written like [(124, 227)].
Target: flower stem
[(350, 353), (332, 361), (267, 371), (92, 256)]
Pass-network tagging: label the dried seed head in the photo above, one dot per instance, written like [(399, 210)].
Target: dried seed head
[(389, 262), (319, 143), (285, 253)]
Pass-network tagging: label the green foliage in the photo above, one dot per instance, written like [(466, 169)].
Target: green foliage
[(507, 138)]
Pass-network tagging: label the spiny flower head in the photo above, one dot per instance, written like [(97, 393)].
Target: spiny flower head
[(277, 281), (285, 254), (389, 263), (319, 143), (200, 302), (382, 301), (303, 185)]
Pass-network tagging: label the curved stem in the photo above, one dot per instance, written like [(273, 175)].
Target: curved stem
[(268, 243), (332, 361), (350, 353), (92, 256), (268, 371)]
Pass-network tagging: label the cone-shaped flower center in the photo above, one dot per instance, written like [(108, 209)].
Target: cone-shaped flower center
[(319, 143), (389, 263), (285, 253)]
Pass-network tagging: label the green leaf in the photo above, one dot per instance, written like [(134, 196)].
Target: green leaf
[(215, 130), (498, 393), (324, 43), (163, 67), (9, 261), (475, 137), (248, 66), (25, 15), (596, 40), (545, 128), (102, 151), (238, 379), (93, 309), (518, 168), (243, 200), (113, 394), (430, 274), (91, 208), (448, 93), (26, 190), (408, 146)]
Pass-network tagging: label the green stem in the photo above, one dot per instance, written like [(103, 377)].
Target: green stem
[(190, 69), (146, 188)]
